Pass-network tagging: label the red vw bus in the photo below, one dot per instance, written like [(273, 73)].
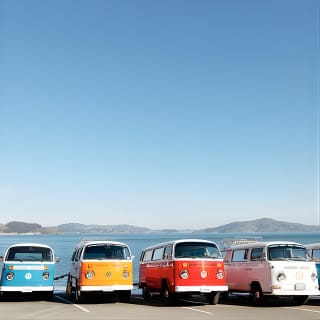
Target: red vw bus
[(182, 267)]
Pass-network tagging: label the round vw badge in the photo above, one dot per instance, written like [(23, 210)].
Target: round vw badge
[(204, 274), (299, 275), (28, 275)]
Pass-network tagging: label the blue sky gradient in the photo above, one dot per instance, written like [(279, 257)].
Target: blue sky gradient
[(178, 114)]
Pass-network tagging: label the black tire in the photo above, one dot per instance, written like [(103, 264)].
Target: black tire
[(78, 296), (146, 294), (124, 296), (47, 295), (224, 296), (299, 300), (69, 287), (257, 295), (213, 297), (168, 297)]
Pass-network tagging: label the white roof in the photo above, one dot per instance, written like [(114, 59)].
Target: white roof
[(313, 245), (30, 244), (178, 241), (97, 242), (263, 244)]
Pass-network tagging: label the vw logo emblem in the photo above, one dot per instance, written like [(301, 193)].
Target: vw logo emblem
[(28, 276), (299, 275), (204, 274)]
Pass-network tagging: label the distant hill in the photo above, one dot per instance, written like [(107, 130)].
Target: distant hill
[(93, 228), (261, 225), (25, 227)]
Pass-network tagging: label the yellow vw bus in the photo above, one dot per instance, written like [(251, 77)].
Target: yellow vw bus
[(100, 267)]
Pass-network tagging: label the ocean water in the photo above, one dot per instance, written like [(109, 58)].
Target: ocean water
[(63, 244)]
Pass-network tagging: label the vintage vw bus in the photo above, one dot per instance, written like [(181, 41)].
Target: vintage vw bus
[(314, 251), (275, 268), (100, 267), (28, 267), (182, 267)]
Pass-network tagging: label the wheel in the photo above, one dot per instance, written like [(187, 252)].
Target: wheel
[(124, 296), (69, 286), (213, 297), (169, 297), (299, 300), (257, 295), (224, 296), (47, 295), (146, 294), (78, 296)]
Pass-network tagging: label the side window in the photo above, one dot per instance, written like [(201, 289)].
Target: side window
[(239, 255), (147, 255), (158, 254), (256, 254), (316, 254), (168, 252), (126, 253), (78, 254), (73, 255)]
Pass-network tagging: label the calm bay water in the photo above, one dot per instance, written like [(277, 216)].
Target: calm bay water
[(63, 244)]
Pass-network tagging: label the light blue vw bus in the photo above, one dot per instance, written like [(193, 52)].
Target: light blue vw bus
[(28, 268)]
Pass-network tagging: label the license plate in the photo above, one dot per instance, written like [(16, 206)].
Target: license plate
[(300, 286)]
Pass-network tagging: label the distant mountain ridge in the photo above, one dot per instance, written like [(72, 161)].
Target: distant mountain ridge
[(262, 225), (25, 227), (94, 228), (258, 225)]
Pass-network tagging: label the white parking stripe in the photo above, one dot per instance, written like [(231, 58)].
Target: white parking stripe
[(75, 305), (197, 310), (302, 309)]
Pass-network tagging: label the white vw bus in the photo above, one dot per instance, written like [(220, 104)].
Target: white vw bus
[(271, 269)]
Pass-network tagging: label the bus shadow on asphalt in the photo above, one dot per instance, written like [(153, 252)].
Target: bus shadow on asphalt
[(314, 301), (245, 300), (156, 300), (23, 297)]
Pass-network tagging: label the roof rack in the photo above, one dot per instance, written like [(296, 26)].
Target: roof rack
[(232, 242)]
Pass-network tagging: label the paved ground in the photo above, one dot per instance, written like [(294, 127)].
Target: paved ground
[(137, 309)]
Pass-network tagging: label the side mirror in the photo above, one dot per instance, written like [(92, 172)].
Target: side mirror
[(57, 259)]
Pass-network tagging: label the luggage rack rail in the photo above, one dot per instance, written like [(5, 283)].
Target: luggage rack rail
[(232, 242)]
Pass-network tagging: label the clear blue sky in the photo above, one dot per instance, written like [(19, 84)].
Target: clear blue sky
[(171, 113)]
